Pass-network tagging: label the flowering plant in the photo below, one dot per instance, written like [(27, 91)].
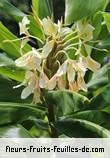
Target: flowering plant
[(63, 84)]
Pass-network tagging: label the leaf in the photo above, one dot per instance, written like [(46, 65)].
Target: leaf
[(7, 93), (102, 100), (43, 9), (107, 20), (66, 102), (10, 9), (13, 131), (18, 15), (81, 128), (34, 28), (104, 44), (99, 78), (11, 48), (78, 9), (96, 116), (13, 72), (97, 21), (5, 60), (18, 112)]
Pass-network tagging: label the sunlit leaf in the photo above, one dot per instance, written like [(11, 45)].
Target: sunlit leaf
[(77, 9), (10, 47)]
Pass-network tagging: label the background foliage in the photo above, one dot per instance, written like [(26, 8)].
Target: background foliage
[(72, 114)]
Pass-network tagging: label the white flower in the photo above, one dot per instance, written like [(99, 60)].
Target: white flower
[(75, 74), (32, 87), (71, 73), (85, 30), (23, 26), (30, 60), (50, 28), (61, 82), (47, 48), (45, 82), (91, 64), (62, 69)]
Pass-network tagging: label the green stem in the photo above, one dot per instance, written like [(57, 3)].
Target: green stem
[(51, 118)]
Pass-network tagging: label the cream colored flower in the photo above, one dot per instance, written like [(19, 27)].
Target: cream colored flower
[(85, 30), (23, 26), (62, 69), (47, 48), (91, 64), (49, 27), (32, 86), (30, 60), (61, 82), (71, 73), (75, 74), (45, 82)]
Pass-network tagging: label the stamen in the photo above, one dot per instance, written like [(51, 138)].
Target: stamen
[(58, 63), (67, 42), (14, 40), (71, 45), (62, 51), (94, 41), (68, 35), (37, 39), (105, 50), (72, 48)]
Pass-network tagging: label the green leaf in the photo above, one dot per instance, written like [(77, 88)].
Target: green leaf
[(13, 131), (107, 20), (105, 44), (18, 15), (99, 78), (66, 102), (96, 116), (13, 72), (7, 93), (18, 112), (11, 48), (35, 29), (81, 128), (102, 100), (42, 9), (5, 60), (8, 69), (7, 7), (78, 9), (97, 24)]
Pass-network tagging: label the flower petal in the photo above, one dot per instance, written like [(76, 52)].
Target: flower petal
[(62, 69), (26, 92), (52, 83), (31, 60), (71, 73), (25, 21), (22, 26), (61, 82), (49, 27), (85, 30), (43, 80), (47, 49), (91, 64)]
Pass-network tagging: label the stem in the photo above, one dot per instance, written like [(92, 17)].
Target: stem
[(51, 118)]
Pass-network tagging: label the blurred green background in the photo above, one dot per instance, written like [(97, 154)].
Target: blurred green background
[(25, 6)]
